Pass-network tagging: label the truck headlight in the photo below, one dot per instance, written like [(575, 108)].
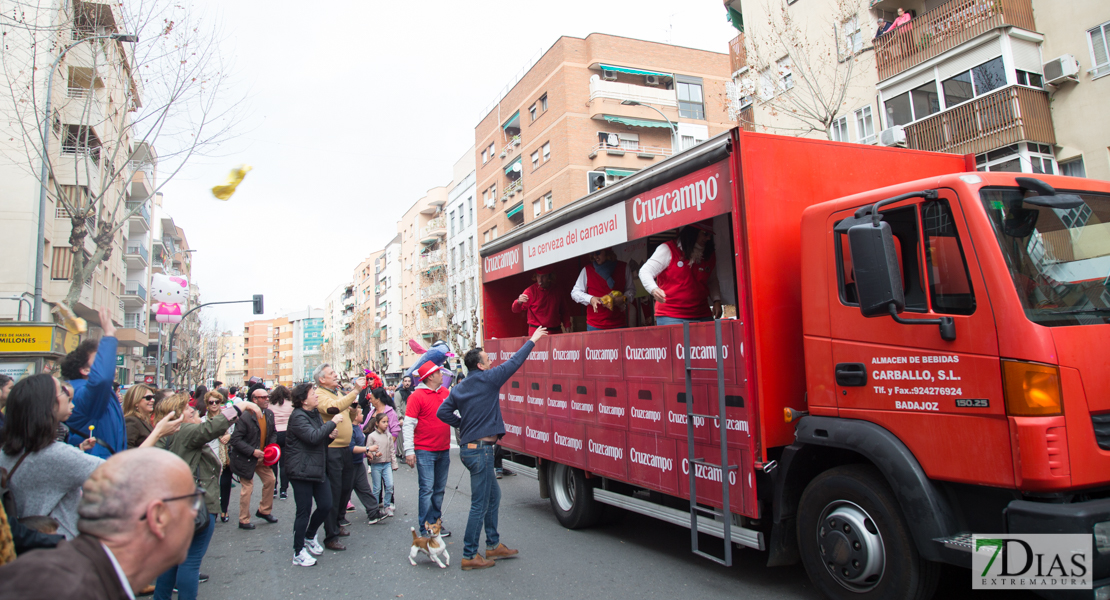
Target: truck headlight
[(1102, 541)]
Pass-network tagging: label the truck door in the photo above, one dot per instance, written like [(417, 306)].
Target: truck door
[(943, 399)]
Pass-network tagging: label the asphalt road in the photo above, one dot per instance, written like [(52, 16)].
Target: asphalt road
[(631, 557)]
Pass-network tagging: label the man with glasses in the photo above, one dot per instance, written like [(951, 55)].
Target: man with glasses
[(250, 437), (136, 521), (340, 466)]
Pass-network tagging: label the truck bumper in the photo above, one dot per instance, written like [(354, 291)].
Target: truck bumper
[(1023, 516)]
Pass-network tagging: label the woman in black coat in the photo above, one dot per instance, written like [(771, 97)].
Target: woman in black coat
[(306, 445)]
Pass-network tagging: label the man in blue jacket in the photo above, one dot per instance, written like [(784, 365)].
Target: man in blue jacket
[(91, 370), (481, 426)]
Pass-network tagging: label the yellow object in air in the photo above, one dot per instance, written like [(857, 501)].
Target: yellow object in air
[(70, 321), (224, 192)]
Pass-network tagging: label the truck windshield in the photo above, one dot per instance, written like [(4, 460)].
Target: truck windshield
[(1059, 259)]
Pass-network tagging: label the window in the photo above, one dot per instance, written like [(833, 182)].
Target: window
[(904, 226), (1041, 158), (532, 112), (491, 151), (786, 73), (980, 80), (865, 126), (493, 233), (949, 283), (1099, 39), (543, 103), (1073, 168), (1026, 157), (915, 104), (766, 85), (537, 208), (485, 157), (686, 142), (547, 201), (535, 159), (1030, 79), (485, 239), (839, 130), (1003, 159), (690, 101), (853, 39), (451, 221), (630, 141), (546, 152), (470, 205), (452, 259), (471, 245)]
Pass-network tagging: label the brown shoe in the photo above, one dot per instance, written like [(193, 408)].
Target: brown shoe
[(334, 545), (343, 532), (477, 562), (148, 590), (501, 551)]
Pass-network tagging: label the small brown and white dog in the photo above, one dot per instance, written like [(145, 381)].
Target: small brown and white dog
[(432, 545)]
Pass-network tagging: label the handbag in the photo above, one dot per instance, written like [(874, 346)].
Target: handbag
[(38, 523)]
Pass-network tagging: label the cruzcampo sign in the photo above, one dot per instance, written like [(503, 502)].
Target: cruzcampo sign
[(23, 339)]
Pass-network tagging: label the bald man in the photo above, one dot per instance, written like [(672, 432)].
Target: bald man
[(136, 521)]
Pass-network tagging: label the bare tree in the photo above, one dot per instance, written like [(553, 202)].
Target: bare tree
[(800, 74), (122, 100)]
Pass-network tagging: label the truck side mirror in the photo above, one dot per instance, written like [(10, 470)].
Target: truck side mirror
[(878, 276)]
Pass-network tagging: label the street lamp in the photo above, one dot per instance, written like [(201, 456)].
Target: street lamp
[(40, 249), (674, 128)]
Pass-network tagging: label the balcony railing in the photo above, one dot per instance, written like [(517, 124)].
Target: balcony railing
[(135, 321), (435, 290), (507, 150), (144, 212), (133, 250), (516, 187), (1004, 117), (134, 289), (945, 27), (641, 151), (430, 323), (628, 91), (737, 53), (431, 259)]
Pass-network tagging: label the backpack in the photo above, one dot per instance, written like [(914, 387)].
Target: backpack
[(34, 522)]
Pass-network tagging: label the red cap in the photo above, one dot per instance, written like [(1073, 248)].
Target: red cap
[(706, 225), (425, 369), (271, 455), (542, 271)]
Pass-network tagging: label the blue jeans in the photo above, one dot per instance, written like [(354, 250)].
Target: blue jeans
[(485, 498), (382, 474), (677, 321), (186, 576), (431, 472)]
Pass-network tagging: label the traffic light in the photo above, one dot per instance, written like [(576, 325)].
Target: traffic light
[(596, 180), (258, 304)]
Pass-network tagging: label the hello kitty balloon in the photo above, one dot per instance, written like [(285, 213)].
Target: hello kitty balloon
[(170, 294)]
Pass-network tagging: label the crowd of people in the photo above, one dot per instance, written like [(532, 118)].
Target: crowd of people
[(117, 497)]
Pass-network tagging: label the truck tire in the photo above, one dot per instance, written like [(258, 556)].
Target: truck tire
[(572, 498), (854, 541)]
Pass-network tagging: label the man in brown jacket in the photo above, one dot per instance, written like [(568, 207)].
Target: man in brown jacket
[(136, 521), (250, 437), (341, 467)]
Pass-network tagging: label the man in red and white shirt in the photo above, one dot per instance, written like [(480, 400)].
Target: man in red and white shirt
[(428, 443), (604, 275)]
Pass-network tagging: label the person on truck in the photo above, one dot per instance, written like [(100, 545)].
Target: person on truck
[(544, 306), (682, 275), (596, 285)]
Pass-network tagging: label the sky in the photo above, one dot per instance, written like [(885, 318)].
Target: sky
[(352, 112)]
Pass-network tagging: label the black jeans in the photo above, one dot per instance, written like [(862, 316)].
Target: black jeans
[(225, 489), (279, 471), (341, 477), (304, 492), (360, 486)]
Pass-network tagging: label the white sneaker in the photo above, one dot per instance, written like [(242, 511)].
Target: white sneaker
[(389, 511), (313, 547), (303, 559)]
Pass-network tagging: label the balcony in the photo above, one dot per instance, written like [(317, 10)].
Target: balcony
[(1010, 115), (140, 221), (428, 260), (142, 179), (136, 256), (625, 156), (433, 291), (434, 230), (509, 150), (514, 188), (944, 28), (134, 294), (606, 97), (737, 54), (432, 323)]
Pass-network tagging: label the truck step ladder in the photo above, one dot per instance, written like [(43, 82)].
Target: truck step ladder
[(725, 513)]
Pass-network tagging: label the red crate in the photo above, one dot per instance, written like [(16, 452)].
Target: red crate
[(512, 394), (607, 452), (565, 355), (535, 396), (647, 353), (704, 350), (491, 348), (741, 482), (537, 436), (514, 430), (675, 416), (506, 348), (537, 363), (558, 406), (568, 443), (739, 419), (612, 403), (582, 395), (646, 409), (602, 354), (652, 464)]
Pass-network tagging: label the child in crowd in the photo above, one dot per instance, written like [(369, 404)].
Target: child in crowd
[(360, 450), (382, 461)]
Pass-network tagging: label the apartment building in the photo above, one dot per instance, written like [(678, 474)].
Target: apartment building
[(996, 79), (230, 359), (389, 310), (170, 254), (604, 105), (268, 351), (307, 336), (338, 313), (364, 332), (462, 257), (423, 232)]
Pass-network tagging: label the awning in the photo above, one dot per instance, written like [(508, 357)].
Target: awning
[(619, 172), (515, 209), (736, 18), (510, 122), (631, 122), (634, 71), (509, 168)]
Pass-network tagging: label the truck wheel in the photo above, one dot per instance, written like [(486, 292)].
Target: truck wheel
[(572, 498), (854, 541)]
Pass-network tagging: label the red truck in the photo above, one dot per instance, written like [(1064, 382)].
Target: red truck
[(914, 358)]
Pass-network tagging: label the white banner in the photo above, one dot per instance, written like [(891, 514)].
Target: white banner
[(598, 230)]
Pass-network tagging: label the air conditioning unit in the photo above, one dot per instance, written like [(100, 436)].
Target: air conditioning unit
[(1061, 69), (652, 80), (596, 180), (895, 136), (609, 75)]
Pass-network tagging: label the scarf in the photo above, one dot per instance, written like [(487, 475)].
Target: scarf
[(605, 269)]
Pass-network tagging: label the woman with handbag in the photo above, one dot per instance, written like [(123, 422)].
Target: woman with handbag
[(306, 447), (191, 444)]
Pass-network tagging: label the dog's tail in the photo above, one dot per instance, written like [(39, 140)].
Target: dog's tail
[(413, 530)]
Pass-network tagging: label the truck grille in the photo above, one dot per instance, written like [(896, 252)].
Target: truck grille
[(1102, 430)]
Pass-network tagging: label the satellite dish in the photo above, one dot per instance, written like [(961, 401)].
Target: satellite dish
[(440, 314), (516, 168), (594, 78)]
